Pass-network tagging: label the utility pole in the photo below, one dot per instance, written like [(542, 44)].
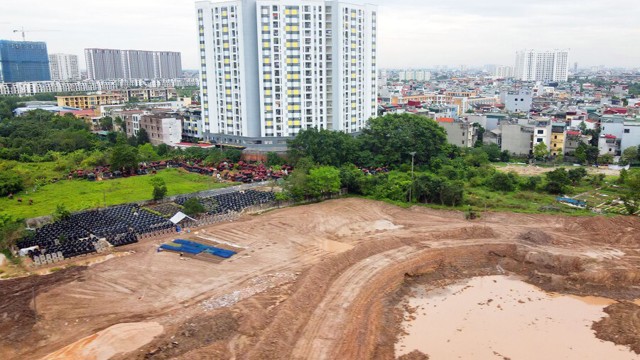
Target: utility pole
[(413, 155)]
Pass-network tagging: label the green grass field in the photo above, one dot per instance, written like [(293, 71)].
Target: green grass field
[(82, 194)]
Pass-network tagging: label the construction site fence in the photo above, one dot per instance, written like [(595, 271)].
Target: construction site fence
[(208, 220)]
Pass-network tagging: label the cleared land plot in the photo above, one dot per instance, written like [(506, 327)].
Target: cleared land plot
[(315, 280)]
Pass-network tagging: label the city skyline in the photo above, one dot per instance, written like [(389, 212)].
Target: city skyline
[(413, 33)]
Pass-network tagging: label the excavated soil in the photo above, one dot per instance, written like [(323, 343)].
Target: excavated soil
[(622, 326), (320, 281)]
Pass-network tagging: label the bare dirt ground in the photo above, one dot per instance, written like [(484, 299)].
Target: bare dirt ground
[(317, 281), (531, 170)]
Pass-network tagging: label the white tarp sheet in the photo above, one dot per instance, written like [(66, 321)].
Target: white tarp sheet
[(179, 216)]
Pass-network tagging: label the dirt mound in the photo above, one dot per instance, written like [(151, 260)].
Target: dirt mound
[(535, 236), (622, 327), (414, 355), (16, 307), (120, 338), (197, 332)]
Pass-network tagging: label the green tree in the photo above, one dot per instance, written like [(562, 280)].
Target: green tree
[(452, 193), (576, 175), (480, 131), (389, 139), (124, 157), (476, 157), (493, 151), (163, 149), (273, 159), (586, 153), (193, 207), (505, 156), (10, 183), (557, 180), (530, 183), (146, 153), (214, 158), (629, 155), (142, 137), (106, 123), (503, 182), (233, 155), (297, 182), (540, 151), (323, 180), (159, 187), (605, 159), (351, 178), (325, 147), (10, 230)]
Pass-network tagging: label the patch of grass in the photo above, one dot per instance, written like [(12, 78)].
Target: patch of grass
[(79, 195)]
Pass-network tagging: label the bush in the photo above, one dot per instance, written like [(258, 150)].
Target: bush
[(159, 188), (193, 207), (10, 183), (530, 183), (503, 182)]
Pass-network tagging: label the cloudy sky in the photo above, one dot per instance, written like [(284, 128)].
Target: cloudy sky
[(414, 33)]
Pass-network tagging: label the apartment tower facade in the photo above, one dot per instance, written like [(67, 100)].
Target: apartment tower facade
[(64, 67), (272, 68), (24, 61), (533, 65), (109, 64)]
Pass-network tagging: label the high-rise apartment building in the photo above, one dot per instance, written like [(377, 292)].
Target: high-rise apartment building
[(272, 68), (106, 64), (23, 61), (167, 65), (137, 64), (504, 72), (533, 65), (64, 67)]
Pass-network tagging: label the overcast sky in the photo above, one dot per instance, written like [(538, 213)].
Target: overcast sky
[(413, 33)]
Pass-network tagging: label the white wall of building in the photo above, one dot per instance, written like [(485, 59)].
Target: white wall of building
[(277, 67), (64, 67), (171, 131)]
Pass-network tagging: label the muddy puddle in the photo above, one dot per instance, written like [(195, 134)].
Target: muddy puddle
[(502, 317)]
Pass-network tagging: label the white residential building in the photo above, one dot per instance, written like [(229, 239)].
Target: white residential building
[(533, 65), (504, 72), (272, 68), (111, 64), (64, 67)]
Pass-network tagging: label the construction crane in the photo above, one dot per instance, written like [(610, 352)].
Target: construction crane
[(23, 32)]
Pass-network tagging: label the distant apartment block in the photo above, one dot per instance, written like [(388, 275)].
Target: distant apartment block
[(64, 67), (504, 72), (106, 64), (39, 87), (533, 65), (23, 61)]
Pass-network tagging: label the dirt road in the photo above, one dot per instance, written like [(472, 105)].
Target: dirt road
[(316, 281)]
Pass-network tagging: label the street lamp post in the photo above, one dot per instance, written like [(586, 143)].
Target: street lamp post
[(413, 155)]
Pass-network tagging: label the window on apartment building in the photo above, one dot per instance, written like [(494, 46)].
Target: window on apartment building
[(626, 131), (540, 132)]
